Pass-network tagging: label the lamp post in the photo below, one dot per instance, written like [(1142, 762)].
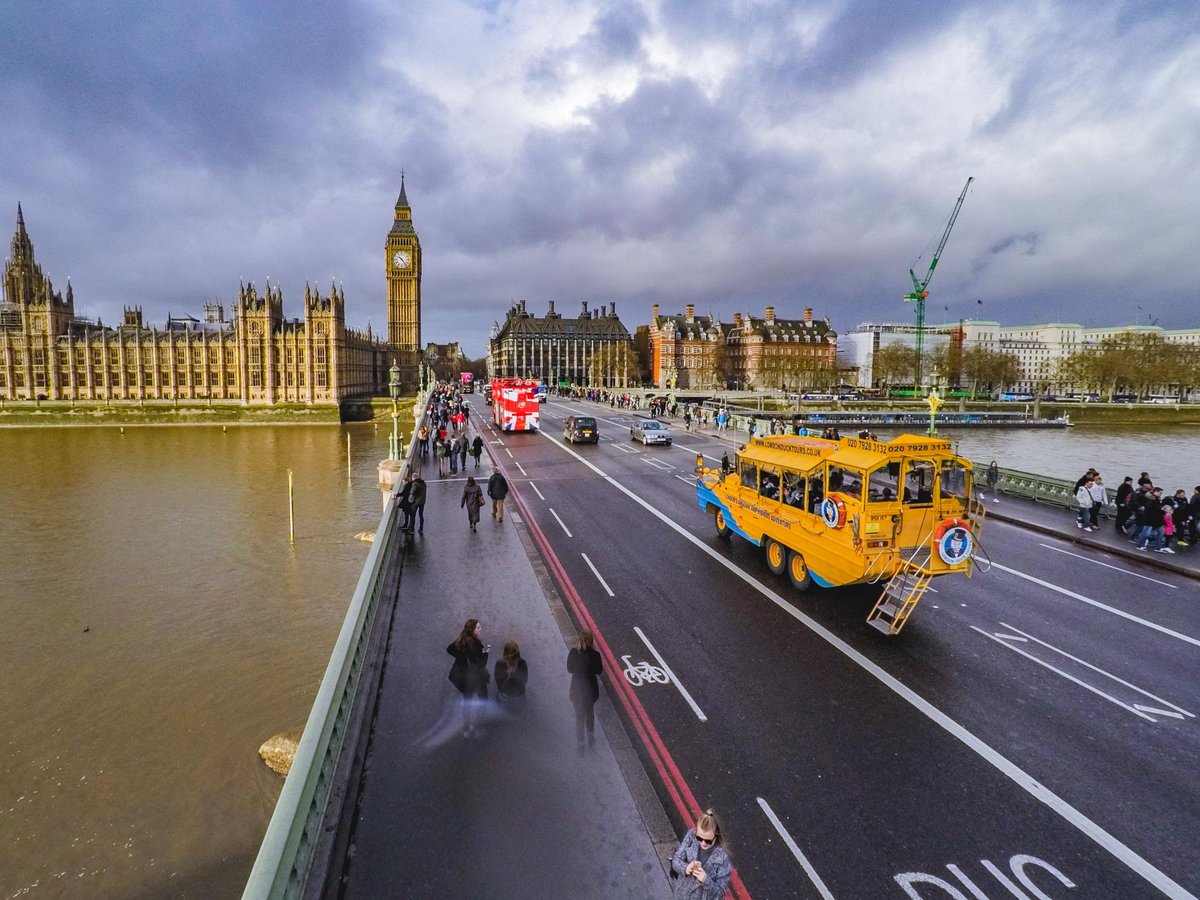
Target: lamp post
[(394, 390), (935, 403)]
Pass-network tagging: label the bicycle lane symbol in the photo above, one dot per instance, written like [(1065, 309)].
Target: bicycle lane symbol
[(643, 673)]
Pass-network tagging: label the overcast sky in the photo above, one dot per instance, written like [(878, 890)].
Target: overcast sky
[(727, 153)]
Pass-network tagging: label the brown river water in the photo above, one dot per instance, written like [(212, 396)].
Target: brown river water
[(156, 627)]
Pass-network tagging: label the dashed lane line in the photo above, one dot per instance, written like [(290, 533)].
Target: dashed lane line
[(674, 680), (791, 845), (1018, 776)]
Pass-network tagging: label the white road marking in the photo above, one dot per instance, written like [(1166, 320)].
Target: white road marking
[(1104, 606), (1107, 566), (1092, 830), (517, 463), (657, 463), (509, 452), (560, 522), (1083, 684), (688, 481), (596, 572), (1136, 708), (625, 448), (536, 491), (663, 663), (791, 845)]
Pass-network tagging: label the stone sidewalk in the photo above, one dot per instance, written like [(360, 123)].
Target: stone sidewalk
[(513, 810)]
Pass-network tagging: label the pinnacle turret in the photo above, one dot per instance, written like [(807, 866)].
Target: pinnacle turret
[(402, 200)]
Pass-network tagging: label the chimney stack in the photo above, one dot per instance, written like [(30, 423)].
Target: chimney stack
[(550, 311), (654, 312), (584, 313), (808, 315), (614, 310), (690, 309), (770, 315)]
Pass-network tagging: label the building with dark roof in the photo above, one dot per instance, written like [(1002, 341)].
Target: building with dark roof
[(560, 349)]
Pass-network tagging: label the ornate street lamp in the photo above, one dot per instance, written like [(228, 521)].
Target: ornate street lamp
[(394, 390)]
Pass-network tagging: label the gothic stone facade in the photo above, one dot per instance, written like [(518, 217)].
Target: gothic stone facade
[(259, 357)]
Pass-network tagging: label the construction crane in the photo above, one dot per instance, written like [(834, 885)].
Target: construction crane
[(921, 285)]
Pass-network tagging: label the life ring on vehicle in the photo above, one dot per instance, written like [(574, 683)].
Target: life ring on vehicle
[(945, 526), (833, 511)]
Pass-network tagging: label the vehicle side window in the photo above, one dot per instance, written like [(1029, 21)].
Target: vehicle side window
[(793, 489), (749, 473), (846, 481), (918, 481), (955, 480), (881, 484), (816, 492), (769, 483)]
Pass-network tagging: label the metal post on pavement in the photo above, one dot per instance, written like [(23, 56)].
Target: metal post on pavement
[(394, 390)]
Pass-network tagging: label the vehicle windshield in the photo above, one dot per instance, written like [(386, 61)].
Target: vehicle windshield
[(650, 426)]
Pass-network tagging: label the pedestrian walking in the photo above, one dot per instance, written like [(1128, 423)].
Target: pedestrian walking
[(1152, 522), (993, 481), (477, 450), (701, 868), (441, 451), (511, 674), (1083, 499), (404, 502), (452, 455), (585, 666), (472, 499), (469, 671), (1099, 498), (417, 498), (497, 490), (463, 447), (1123, 499)]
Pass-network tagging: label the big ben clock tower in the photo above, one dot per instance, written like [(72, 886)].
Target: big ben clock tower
[(403, 266)]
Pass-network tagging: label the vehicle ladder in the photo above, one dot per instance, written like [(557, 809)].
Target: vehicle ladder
[(901, 593)]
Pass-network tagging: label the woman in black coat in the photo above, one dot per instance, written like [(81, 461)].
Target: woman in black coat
[(585, 666), (512, 673), (469, 672)]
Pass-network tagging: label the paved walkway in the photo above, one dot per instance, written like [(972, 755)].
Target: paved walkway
[(513, 811)]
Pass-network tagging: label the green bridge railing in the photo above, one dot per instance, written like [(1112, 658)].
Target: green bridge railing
[(289, 846)]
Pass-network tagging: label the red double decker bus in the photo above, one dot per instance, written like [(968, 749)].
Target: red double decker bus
[(515, 404)]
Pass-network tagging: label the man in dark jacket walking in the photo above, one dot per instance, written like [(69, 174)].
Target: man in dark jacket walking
[(417, 499), (497, 489)]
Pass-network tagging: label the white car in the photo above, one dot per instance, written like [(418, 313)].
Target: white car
[(650, 431)]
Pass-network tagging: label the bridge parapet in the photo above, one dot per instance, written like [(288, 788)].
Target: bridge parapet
[(292, 845)]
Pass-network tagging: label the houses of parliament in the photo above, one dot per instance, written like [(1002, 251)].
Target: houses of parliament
[(253, 355)]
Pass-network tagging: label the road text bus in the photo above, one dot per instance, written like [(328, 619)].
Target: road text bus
[(851, 511), (514, 404)]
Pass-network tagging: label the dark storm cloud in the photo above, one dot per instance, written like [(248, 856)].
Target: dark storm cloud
[(727, 154), (224, 86)]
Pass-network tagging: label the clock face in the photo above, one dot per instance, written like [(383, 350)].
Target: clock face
[(401, 259)]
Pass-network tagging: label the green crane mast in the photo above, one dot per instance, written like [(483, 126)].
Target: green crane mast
[(921, 285)]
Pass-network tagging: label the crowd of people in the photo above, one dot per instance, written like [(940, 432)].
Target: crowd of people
[(1145, 513)]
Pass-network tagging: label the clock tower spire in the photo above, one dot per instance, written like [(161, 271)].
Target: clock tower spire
[(403, 266)]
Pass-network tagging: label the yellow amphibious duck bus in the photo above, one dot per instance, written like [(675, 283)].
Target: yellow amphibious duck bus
[(852, 511)]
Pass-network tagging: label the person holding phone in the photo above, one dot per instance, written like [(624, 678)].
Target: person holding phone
[(701, 868)]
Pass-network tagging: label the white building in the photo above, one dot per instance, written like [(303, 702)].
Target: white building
[(856, 350), (1039, 348)]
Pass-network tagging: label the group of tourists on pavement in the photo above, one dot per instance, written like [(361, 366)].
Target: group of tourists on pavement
[(1150, 518)]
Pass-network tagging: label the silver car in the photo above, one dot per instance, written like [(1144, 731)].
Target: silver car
[(650, 431)]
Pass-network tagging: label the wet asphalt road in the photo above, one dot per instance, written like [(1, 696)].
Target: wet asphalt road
[(1020, 738)]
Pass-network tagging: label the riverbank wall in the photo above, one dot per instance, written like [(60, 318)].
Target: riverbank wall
[(26, 414)]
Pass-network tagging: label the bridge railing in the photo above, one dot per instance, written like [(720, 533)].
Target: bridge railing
[(286, 854), (1057, 491)]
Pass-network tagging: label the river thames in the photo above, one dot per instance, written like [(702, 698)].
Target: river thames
[(158, 627)]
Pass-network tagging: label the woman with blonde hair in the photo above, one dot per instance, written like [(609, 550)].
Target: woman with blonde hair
[(701, 868), (585, 666)]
